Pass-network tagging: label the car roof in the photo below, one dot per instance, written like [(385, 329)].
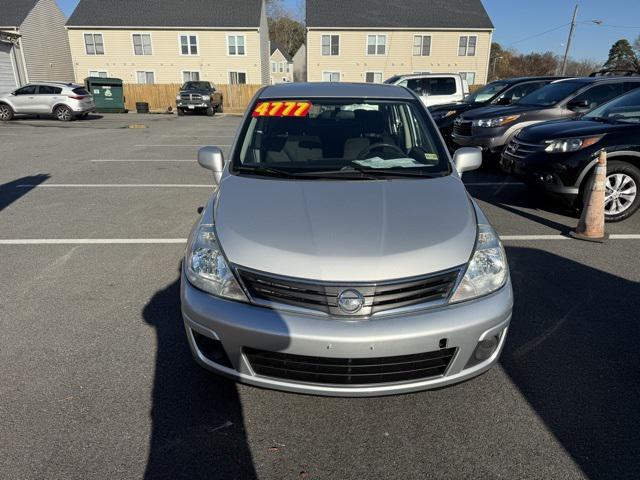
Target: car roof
[(425, 75), (590, 80), (515, 80), (57, 84), (335, 90)]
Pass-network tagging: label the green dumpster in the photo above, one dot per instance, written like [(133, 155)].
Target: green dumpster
[(107, 93)]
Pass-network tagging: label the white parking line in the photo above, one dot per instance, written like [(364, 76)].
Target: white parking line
[(494, 184), (8, 134), (92, 241), (174, 145), (112, 185), (615, 236), (165, 241), (211, 135), (103, 160)]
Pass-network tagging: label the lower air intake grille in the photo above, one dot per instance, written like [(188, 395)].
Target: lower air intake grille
[(350, 371)]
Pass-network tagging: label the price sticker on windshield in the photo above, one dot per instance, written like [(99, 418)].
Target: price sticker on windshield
[(282, 109)]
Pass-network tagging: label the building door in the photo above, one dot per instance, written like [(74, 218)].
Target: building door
[(8, 81)]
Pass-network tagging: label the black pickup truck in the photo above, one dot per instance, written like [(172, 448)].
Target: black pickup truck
[(199, 97)]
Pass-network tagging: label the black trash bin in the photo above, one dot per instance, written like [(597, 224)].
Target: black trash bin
[(142, 107)]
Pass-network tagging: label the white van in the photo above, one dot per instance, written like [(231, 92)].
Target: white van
[(434, 88)]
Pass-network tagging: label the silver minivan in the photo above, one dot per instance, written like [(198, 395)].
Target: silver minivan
[(340, 253)]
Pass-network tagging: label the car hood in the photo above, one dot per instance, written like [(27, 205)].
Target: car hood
[(491, 111), (200, 91), (343, 230), (566, 129)]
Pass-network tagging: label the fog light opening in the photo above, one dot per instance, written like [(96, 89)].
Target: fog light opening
[(212, 349), (443, 343), (486, 348)]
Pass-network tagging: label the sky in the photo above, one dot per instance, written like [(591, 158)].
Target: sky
[(521, 24)]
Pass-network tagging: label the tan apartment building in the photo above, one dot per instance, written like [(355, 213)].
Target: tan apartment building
[(171, 41), (372, 40), (281, 65)]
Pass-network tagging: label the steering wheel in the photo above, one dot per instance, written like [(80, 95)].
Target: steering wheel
[(363, 154)]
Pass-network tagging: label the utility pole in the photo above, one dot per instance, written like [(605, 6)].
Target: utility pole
[(571, 30)]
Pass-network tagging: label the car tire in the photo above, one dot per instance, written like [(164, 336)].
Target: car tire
[(210, 111), (623, 184), (219, 108), (180, 112), (63, 113), (6, 112)]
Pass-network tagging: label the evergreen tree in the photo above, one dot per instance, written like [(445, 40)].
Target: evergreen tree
[(622, 56)]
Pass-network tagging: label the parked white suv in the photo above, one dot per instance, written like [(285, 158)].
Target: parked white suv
[(65, 101), (434, 88)]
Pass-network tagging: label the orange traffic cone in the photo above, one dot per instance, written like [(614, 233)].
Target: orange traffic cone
[(591, 224)]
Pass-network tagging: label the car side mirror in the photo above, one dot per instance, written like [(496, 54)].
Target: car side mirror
[(466, 159), (578, 104), (212, 159)]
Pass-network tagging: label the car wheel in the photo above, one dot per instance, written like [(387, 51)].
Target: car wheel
[(210, 111), (63, 113), (180, 112), (621, 191), (6, 112), (219, 108)]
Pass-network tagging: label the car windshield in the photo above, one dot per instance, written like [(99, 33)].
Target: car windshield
[(550, 94), (360, 139), (486, 93), (196, 86), (622, 109), (393, 79)]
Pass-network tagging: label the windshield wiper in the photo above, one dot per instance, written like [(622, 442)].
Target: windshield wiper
[(393, 173), (265, 171)]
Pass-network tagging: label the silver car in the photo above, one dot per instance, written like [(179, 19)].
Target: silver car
[(340, 253), (65, 101)]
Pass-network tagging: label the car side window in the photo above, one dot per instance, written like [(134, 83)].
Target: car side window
[(520, 91), (28, 90), (599, 94), (628, 86), (48, 90), (442, 86)]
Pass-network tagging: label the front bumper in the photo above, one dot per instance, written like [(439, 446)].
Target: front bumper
[(193, 105), (491, 142), (238, 326)]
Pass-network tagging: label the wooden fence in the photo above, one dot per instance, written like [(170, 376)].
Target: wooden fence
[(236, 98)]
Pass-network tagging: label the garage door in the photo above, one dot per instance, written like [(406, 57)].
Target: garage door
[(7, 77)]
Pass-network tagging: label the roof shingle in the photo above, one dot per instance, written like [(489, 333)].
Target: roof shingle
[(167, 13), (464, 14), (13, 12)]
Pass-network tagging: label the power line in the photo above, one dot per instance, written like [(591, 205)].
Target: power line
[(540, 34)]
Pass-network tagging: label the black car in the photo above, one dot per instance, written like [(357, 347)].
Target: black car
[(492, 127), (558, 157), (500, 92), (199, 96)]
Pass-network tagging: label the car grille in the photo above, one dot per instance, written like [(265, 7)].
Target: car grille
[(323, 297), (350, 371), (462, 128), (516, 148), (191, 97)]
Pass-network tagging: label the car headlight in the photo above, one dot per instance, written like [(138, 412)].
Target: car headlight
[(571, 144), (495, 122), (206, 267), (487, 270), (443, 114)]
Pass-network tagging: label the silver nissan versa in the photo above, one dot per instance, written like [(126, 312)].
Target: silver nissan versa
[(340, 253)]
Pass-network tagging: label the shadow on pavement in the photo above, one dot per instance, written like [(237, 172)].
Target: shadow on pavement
[(573, 352), (197, 423), (12, 191)]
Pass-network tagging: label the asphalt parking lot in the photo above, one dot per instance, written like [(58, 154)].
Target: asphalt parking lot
[(96, 379)]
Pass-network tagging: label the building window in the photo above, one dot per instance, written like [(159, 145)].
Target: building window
[(467, 46), (331, 45), (190, 76), (470, 77), (330, 76), (274, 67), (189, 44), (98, 73), (142, 44), (146, 77), (93, 44), (376, 44), (422, 45), (236, 44), (373, 77), (237, 78)]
